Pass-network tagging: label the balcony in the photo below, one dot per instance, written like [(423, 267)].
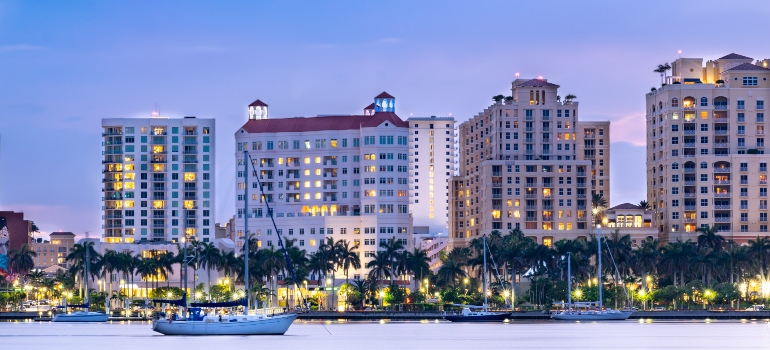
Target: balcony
[(158, 160), (581, 185), (722, 219), (581, 173), (531, 218), (689, 207), (530, 207), (689, 195), (720, 120), (497, 184), (689, 144), (689, 131), (547, 207), (531, 195), (720, 132), (689, 170), (690, 220), (721, 182), (581, 207), (582, 218), (581, 196), (547, 217), (722, 195), (720, 107), (688, 183), (722, 170), (722, 207), (497, 195)]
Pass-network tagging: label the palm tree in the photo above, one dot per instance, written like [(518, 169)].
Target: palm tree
[(662, 69), (110, 263), (347, 257), (759, 250), (498, 98), (449, 272), (598, 201), (644, 205), (21, 261), (710, 237), (392, 252), (209, 258), (146, 268), (644, 260), (379, 267), (568, 99), (418, 263), (675, 258)]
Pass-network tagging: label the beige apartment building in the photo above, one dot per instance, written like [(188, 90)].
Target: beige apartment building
[(53, 252), (706, 162), (526, 162), (431, 164)]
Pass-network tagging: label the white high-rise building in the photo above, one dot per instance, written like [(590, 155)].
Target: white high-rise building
[(335, 176), (431, 164), (158, 179)]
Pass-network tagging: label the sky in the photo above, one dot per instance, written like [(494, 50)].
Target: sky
[(65, 65)]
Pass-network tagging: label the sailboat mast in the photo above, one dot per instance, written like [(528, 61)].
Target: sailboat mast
[(246, 231), (484, 277), (85, 271), (569, 281), (599, 264)]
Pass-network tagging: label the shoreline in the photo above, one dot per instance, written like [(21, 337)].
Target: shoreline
[(431, 316)]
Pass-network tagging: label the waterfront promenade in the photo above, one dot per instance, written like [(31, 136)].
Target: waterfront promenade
[(414, 316)]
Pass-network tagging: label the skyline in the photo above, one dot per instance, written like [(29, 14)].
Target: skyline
[(74, 64)]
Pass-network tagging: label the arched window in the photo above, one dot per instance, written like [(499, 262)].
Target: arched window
[(543, 95), (531, 97), (704, 102), (674, 102), (537, 97), (660, 167), (704, 165), (653, 108), (660, 105), (674, 166)]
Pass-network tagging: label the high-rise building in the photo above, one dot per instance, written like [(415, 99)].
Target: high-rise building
[(158, 179), (343, 177), (594, 145), (521, 166), (431, 164), (705, 148)]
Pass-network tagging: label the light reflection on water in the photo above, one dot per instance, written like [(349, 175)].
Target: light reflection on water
[(425, 334)]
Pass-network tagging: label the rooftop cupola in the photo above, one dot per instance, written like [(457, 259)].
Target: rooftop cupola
[(369, 110), (384, 102), (258, 110)]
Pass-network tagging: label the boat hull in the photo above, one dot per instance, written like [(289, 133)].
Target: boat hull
[(81, 317), (275, 325), (577, 316), (479, 318)]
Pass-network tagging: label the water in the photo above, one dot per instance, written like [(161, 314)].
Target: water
[(403, 335)]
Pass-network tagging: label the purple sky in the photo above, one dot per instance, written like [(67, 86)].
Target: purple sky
[(67, 64)]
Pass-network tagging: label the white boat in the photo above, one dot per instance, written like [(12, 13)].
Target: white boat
[(81, 316), (585, 314), (592, 315), (197, 324), (227, 325)]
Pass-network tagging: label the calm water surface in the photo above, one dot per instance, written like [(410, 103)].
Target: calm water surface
[(403, 335)]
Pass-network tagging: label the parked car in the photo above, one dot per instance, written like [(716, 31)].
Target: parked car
[(659, 308), (756, 307)]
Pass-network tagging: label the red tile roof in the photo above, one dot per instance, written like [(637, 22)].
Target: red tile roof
[(747, 66), (258, 103), (370, 106), (735, 56), (384, 95), (320, 123), (626, 206), (537, 83)]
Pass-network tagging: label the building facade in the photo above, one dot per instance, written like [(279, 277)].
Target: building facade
[(630, 219), (521, 166), (343, 177), (705, 148), (159, 179), (53, 252), (594, 145), (431, 164), (15, 231)]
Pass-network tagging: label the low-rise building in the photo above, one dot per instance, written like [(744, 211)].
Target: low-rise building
[(53, 252)]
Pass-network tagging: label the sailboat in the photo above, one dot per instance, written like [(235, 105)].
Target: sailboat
[(258, 324), (588, 314), (84, 315), (483, 315)]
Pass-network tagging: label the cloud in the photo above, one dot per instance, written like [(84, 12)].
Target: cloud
[(20, 47), (631, 129), (388, 41)]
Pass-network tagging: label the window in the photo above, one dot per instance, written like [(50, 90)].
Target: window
[(674, 102), (704, 102), (741, 104), (750, 81)]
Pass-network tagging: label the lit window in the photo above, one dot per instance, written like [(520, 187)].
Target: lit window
[(159, 204), (129, 204), (189, 204), (189, 176), (317, 159)]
